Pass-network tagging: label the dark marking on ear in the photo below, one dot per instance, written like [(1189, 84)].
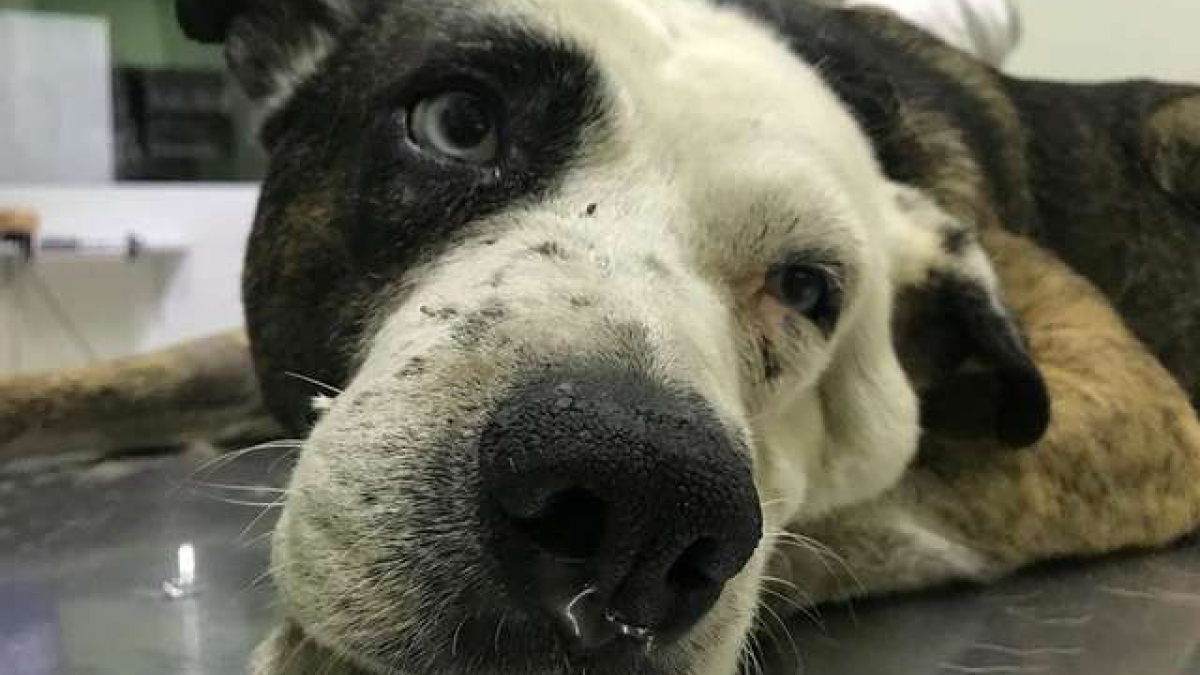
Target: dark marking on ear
[(581, 301), (551, 249), (970, 364), (265, 40), (591, 210)]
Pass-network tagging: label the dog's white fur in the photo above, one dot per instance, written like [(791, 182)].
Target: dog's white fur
[(726, 154)]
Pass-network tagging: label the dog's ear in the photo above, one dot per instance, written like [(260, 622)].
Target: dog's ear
[(969, 362), (958, 343), (272, 46)]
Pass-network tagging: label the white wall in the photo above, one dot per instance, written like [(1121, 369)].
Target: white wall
[(123, 307), (1109, 39), (56, 118)]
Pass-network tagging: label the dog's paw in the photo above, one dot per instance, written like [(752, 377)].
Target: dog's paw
[(871, 550)]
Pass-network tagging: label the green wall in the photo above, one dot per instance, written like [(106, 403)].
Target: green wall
[(144, 32)]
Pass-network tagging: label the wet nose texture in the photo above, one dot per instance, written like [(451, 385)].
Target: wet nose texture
[(617, 507)]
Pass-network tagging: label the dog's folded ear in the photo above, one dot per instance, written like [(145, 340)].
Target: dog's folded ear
[(272, 46), (969, 362)]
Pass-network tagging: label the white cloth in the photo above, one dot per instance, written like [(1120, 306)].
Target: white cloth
[(989, 29)]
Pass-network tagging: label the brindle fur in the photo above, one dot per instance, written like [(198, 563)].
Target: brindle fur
[(1106, 176)]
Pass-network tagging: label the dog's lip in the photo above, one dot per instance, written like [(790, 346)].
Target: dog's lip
[(641, 635), (480, 643)]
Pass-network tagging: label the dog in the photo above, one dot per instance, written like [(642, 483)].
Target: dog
[(622, 300)]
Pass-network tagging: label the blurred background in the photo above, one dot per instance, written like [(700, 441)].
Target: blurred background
[(117, 83), (135, 154)]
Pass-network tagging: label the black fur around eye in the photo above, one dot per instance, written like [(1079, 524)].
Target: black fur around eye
[(810, 290), (456, 125)]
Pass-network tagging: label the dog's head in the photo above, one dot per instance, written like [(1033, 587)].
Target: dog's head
[(610, 288)]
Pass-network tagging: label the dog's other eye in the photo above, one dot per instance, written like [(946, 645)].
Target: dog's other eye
[(809, 290), (457, 125)]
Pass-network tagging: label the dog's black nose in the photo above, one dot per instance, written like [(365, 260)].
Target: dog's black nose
[(617, 506)]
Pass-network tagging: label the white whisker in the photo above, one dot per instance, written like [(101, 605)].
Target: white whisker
[(316, 383)]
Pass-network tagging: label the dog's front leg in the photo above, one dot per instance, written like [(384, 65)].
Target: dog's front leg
[(1118, 468), (202, 390)]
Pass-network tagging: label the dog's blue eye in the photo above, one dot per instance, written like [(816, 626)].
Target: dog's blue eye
[(456, 125), (808, 290)]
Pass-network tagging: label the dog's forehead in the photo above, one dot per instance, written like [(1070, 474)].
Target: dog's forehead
[(713, 97), (685, 68), (714, 63)]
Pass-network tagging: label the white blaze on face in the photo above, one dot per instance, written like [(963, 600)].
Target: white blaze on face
[(723, 153)]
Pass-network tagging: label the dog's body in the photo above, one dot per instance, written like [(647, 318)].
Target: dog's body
[(689, 240)]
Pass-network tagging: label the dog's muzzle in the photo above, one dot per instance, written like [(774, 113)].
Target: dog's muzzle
[(617, 508)]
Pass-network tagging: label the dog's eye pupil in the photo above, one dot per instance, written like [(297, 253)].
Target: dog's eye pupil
[(464, 122), (803, 289), (808, 290), (457, 125)]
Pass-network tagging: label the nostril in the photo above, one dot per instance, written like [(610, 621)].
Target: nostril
[(570, 526), (697, 568), (616, 513)]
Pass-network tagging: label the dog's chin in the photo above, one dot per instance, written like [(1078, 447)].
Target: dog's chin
[(478, 646), (488, 637)]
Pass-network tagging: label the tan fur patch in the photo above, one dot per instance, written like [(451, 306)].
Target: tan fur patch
[(200, 390)]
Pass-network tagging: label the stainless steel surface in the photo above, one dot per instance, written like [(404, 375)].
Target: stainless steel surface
[(1131, 615), (86, 548)]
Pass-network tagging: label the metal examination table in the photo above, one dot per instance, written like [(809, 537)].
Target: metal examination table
[(91, 556)]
